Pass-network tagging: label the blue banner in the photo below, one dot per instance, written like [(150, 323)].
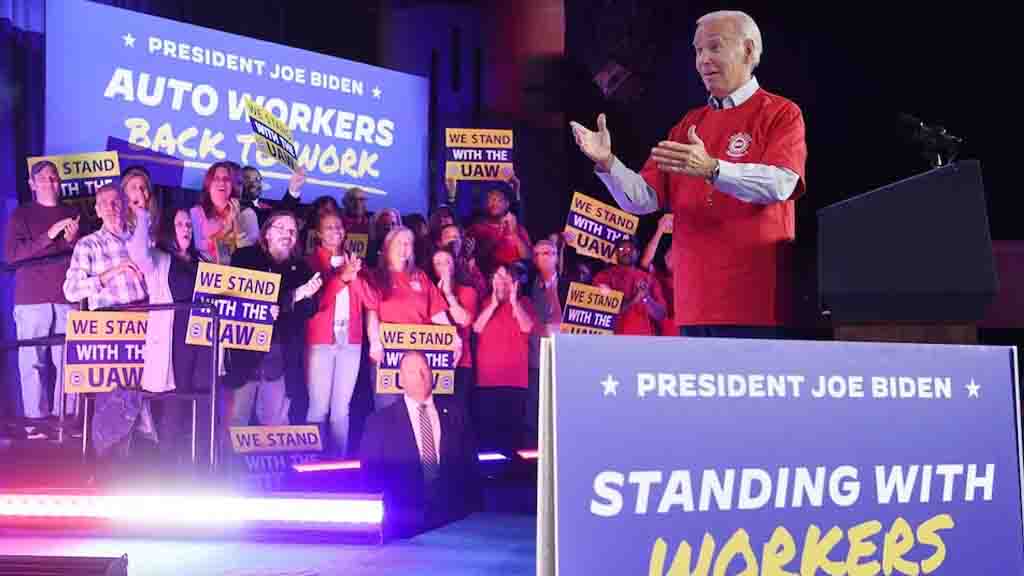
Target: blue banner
[(753, 457), (180, 90)]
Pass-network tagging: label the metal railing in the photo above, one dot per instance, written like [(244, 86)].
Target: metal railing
[(208, 307)]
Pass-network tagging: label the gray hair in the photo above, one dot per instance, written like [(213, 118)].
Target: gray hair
[(745, 25)]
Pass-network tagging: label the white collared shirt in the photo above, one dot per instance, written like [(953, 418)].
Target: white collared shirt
[(435, 421), (749, 182)]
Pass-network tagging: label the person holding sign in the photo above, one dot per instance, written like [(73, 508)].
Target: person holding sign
[(43, 229), (335, 331), (275, 381), (253, 212), (102, 272), (215, 220), (644, 304), (730, 172), (662, 272), (402, 294), (503, 328), (421, 455), (500, 239)]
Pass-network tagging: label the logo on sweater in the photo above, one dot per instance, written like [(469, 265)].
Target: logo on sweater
[(739, 143)]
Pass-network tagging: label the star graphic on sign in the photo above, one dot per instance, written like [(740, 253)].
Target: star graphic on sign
[(376, 93), (129, 40), (610, 386), (972, 389)]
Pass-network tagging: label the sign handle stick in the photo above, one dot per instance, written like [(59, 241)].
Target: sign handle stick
[(214, 378)]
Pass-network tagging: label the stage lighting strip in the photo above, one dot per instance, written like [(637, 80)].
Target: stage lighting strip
[(354, 464), (193, 510)]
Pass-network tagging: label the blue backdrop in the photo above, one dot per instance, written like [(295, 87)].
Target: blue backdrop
[(640, 418), (179, 89)]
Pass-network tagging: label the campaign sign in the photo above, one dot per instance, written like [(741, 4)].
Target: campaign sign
[(104, 351), (242, 298), (437, 343), (181, 90), (264, 455), (83, 174), (272, 135), (596, 227), (356, 244), (478, 154), (760, 457), (590, 310)]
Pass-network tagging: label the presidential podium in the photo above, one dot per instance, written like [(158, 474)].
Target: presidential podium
[(909, 262)]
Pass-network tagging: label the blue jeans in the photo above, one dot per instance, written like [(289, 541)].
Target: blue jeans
[(37, 321), (333, 370)]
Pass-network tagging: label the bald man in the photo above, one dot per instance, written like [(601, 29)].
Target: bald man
[(421, 455)]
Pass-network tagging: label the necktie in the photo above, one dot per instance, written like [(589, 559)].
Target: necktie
[(428, 455)]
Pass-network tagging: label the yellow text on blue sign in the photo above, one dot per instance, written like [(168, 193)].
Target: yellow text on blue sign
[(590, 310), (82, 174), (104, 351), (263, 439), (243, 299), (437, 343), (596, 227)]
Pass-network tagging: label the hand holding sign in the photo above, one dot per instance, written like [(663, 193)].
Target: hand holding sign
[(509, 225), (296, 181)]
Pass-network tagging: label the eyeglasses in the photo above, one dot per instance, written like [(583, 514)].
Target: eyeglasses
[(288, 231)]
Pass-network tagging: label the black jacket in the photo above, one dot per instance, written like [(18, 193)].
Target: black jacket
[(390, 465), (290, 324)]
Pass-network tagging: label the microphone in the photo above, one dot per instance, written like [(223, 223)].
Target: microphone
[(926, 133)]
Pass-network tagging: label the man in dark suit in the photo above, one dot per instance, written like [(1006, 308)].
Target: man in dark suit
[(421, 455)]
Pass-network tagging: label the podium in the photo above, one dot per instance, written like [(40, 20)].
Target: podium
[(909, 262)]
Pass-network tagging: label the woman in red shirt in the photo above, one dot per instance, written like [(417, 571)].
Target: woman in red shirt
[(462, 300), (503, 346), (402, 294), (335, 332)]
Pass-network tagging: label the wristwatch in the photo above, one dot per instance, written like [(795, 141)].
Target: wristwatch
[(714, 173)]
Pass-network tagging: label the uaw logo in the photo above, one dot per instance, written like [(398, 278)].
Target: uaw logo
[(261, 338), (739, 143), (445, 382), (197, 330)]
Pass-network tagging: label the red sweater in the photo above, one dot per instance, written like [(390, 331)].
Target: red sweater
[(732, 257), (42, 282), (320, 327)]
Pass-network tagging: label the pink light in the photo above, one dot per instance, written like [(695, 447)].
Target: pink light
[(528, 454), (190, 510), (491, 457)]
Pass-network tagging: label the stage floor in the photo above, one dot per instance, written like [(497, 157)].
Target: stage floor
[(485, 543)]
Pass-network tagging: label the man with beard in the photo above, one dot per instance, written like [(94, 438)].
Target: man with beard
[(500, 239)]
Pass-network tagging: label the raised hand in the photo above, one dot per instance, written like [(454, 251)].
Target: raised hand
[(595, 145)]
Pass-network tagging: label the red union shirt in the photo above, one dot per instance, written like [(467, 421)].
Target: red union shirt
[(733, 257)]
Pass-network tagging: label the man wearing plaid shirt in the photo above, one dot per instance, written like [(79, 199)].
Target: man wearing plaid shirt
[(101, 270)]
